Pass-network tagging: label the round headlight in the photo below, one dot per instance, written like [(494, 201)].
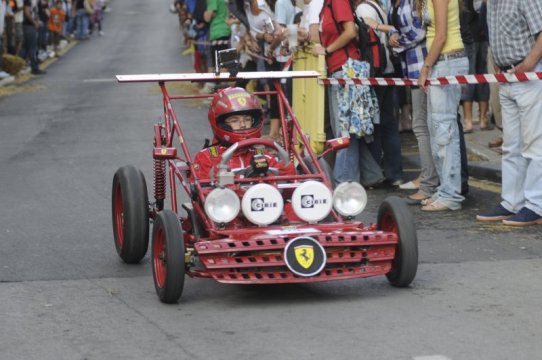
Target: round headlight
[(262, 204), (312, 201), (222, 205), (349, 198)]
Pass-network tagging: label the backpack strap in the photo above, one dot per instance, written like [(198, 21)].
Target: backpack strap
[(377, 11)]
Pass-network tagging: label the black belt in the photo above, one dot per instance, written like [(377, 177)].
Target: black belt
[(509, 67)]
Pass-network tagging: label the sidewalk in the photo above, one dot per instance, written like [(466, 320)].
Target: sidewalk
[(484, 163)]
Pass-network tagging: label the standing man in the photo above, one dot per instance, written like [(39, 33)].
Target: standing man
[(219, 31), (31, 25), (514, 37)]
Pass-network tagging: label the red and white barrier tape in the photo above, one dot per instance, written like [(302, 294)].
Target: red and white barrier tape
[(446, 80)]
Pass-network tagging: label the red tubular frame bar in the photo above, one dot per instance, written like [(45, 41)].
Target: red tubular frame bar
[(171, 128)]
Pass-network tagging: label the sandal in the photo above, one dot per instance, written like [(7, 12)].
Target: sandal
[(427, 201), (435, 206)]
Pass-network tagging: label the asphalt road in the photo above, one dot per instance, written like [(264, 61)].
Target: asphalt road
[(66, 295)]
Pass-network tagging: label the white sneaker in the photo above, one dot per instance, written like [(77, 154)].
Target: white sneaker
[(4, 75), (101, 33)]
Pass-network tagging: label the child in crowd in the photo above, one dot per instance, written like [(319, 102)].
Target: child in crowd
[(55, 25)]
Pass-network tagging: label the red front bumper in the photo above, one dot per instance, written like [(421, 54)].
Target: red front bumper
[(260, 259)]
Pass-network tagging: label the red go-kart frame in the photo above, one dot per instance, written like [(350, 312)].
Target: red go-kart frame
[(188, 242)]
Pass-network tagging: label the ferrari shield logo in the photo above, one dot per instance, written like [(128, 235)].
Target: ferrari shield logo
[(304, 255)]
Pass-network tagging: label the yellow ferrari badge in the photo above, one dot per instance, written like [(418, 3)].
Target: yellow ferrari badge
[(304, 255), (213, 151)]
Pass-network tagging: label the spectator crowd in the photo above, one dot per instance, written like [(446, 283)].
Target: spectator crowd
[(33, 30), (420, 39)]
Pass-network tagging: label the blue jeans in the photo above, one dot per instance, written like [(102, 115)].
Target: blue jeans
[(355, 163), (522, 147), (442, 105), (386, 147), (30, 46), (82, 24)]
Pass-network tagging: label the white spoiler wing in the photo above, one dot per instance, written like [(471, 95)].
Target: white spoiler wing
[(211, 77)]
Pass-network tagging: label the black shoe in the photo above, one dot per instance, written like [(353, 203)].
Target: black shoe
[(524, 217), (39, 72), (497, 214)]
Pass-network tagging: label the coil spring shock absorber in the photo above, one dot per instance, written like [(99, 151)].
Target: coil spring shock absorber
[(159, 183)]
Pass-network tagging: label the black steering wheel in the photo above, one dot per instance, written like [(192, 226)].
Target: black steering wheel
[(226, 156)]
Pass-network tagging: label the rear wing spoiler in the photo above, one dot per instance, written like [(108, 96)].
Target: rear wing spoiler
[(211, 77)]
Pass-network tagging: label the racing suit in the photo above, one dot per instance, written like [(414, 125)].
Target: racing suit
[(209, 158)]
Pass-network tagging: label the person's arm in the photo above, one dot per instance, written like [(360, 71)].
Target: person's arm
[(208, 16), (529, 63), (27, 11), (441, 33), (348, 34), (371, 18), (532, 14), (210, 13)]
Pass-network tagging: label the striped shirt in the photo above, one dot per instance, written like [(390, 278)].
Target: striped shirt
[(411, 38), (513, 27)]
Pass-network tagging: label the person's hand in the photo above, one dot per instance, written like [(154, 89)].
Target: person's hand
[(424, 74), (318, 50), (253, 46), (525, 66), (302, 35), (269, 53), (268, 37), (394, 40)]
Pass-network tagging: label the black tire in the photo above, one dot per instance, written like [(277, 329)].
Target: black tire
[(168, 265), (325, 168), (395, 216), (130, 214)]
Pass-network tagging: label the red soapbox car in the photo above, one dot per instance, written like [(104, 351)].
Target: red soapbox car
[(235, 229)]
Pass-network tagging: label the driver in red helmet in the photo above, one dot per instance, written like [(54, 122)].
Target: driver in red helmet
[(234, 115)]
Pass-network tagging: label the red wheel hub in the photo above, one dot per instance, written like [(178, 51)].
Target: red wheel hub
[(388, 223), (119, 216), (159, 258)]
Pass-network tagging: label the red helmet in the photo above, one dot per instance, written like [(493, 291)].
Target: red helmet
[(234, 101)]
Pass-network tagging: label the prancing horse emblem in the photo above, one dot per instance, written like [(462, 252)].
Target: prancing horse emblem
[(304, 255)]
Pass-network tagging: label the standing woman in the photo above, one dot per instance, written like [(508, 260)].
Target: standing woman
[(409, 42), (352, 108), (445, 57)]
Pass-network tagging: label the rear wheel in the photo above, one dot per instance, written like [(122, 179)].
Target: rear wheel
[(130, 214), (168, 265), (395, 216)]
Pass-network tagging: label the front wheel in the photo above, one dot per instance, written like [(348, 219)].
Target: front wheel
[(395, 216), (168, 265), (130, 214)]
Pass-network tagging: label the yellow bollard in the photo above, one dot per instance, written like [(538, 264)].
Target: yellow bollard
[(308, 98)]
